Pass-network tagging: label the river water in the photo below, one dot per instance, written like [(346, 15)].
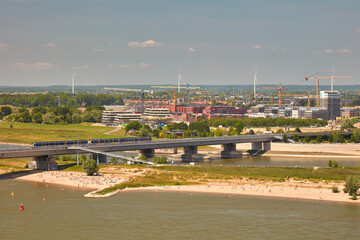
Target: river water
[(66, 214), (276, 161)]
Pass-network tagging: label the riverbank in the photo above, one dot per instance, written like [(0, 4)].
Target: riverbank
[(73, 179), (291, 189)]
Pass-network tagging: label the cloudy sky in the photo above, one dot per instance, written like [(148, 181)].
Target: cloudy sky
[(43, 42)]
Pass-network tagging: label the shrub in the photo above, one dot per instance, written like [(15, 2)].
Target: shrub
[(160, 160), (297, 130), (284, 138), (90, 166), (333, 164), (296, 138), (142, 157), (335, 189), (353, 196), (352, 185)]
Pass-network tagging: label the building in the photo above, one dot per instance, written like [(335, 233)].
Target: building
[(157, 115), (126, 117), (330, 100)]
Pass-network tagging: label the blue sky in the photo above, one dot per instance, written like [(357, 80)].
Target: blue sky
[(43, 42)]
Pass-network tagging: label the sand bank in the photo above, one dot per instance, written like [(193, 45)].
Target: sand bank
[(73, 179), (285, 190)]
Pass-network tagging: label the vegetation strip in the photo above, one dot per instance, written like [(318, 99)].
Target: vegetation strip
[(185, 175)]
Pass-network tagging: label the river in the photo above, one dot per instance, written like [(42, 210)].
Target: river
[(66, 214)]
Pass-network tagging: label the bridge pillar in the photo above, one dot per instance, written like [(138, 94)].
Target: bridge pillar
[(175, 150), (189, 153), (148, 153), (256, 146), (99, 158), (229, 151), (43, 163), (267, 146)]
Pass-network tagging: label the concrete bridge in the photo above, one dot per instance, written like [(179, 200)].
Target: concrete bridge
[(43, 157)]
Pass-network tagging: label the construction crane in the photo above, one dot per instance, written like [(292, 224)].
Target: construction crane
[(133, 90), (317, 78), (298, 95), (280, 89), (174, 87)]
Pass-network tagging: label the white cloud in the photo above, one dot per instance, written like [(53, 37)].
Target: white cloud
[(50, 45), (4, 46), (147, 43), (97, 50), (328, 50), (130, 66), (256, 46), (81, 67), (32, 66), (191, 50), (343, 50)]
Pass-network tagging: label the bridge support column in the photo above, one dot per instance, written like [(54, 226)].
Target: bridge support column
[(256, 146), (175, 150), (99, 158), (267, 146), (43, 163), (189, 153), (229, 151), (148, 153)]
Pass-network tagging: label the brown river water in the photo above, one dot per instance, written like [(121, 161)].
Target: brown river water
[(66, 214)]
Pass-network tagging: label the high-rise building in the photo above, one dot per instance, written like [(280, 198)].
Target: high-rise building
[(330, 100)]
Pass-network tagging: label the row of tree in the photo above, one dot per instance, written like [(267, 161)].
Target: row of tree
[(65, 99), (56, 115)]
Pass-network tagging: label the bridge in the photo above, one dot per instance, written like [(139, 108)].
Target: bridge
[(43, 157)]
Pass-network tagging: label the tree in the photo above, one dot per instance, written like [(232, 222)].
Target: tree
[(355, 137), (297, 130), (251, 132), (307, 139), (296, 138), (319, 139), (338, 137), (284, 138), (6, 110), (144, 132), (352, 185), (90, 166), (135, 125)]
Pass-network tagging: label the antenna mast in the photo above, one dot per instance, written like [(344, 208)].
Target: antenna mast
[(73, 84)]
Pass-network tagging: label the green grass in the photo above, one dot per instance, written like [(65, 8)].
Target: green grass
[(29, 132)]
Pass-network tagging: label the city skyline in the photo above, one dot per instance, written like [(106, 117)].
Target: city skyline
[(144, 42)]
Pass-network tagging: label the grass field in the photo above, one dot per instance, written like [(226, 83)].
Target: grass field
[(29, 132)]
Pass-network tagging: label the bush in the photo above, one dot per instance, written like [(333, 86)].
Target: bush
[(335, 189), (297, 130), (333, 164), (279, 131), (142, 157), (296, 138), (353, 197), (90, 166), (159, 160), (284, 138), (352, 185)]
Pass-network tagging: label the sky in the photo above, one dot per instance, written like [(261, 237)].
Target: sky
[(221, 42)]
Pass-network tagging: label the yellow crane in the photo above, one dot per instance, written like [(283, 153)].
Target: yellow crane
[(298, 95), (317, 78), (280, 89)]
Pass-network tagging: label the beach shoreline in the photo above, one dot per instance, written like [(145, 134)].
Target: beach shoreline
[(291, 189)]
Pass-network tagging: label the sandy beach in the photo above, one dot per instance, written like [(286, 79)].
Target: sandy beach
[(74, 179), (285, 190), (289, 189)]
